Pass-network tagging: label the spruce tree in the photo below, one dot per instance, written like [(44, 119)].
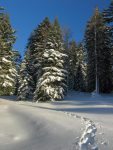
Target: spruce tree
[(31, 68), (79, 80), (52, 84), (17, 61), (98, 45), (26, 84), (108, 18), (36, 47), (108, 13), (81, 69), (8, 71), (70, 47), (72, 56)]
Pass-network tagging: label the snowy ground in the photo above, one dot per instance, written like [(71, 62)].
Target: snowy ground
[(81, 122)]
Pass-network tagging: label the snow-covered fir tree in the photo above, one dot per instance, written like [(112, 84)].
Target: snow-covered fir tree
[(26, 84), (52, 84), (31, 67), (36, 48), (98, 45), (8, 71)]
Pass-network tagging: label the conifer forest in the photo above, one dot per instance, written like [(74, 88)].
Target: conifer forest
[(53, 64), (57, 93)]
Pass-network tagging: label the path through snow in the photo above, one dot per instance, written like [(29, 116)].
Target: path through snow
[(87, 140)]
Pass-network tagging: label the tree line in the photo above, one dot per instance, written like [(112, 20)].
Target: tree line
[(53, 64)]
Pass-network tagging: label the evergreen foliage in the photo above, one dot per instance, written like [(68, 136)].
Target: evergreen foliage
[(17, 61), (31, 68), (79, 80), (26, 83), (52, 84), (98, 45), (52, 63), (36, 48), (8, 71), (81, 69), (108, 18), (108, 13), (72, 56)]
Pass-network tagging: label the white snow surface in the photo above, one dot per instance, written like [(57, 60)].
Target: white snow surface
[(6, 60), (80, 122)]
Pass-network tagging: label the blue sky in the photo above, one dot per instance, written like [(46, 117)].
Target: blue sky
[(25, 15)]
